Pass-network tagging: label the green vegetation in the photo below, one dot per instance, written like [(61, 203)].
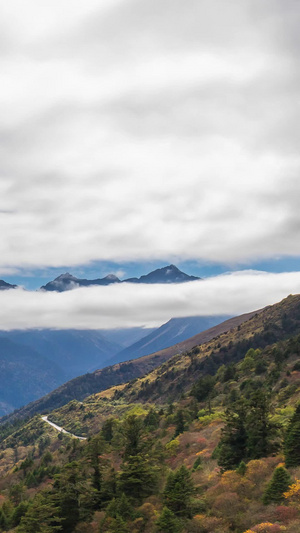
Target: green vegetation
[(195, 446)]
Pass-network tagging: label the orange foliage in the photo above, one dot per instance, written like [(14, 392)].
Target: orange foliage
[(266, 527), (211, 524), (258, 470)]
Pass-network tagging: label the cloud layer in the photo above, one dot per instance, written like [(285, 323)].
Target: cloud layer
[(135, 130), (128, 305)]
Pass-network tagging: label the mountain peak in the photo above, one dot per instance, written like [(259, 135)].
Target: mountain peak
[(66, 276), (4, 285), (111, 277), (167, 274)]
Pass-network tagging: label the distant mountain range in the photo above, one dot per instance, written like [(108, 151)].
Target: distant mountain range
[(65, 354), (4, 285), (67, 282), (173, 332), (167, 274), (83, 386)]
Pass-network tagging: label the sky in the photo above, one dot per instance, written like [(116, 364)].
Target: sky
[(138, 133)]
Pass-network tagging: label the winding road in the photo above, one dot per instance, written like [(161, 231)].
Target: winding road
[(60, 429)]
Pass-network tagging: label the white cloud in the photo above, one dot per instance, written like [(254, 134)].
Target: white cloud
[(137, 130), (128, 305)]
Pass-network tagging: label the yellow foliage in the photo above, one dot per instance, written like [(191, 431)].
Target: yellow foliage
[(172, 447), (266, 527), (202, 452), (231, 481), (293, 494)]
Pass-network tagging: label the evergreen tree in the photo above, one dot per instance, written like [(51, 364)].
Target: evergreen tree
[(42, 516), (292, 441), (118, 525), (203, 388), (178, 492), (133, 429), (120, 507), (179, 421), (95, 448), (151, 420), (18, 513), (242, 468), (168, 522), (260, 431), (69, 492), (3, 520), (232, 448), (107, 430), (125, 508), (138, 478), (279, 484)]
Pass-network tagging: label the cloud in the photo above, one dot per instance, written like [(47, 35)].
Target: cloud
[(128, 305), (139, 131)]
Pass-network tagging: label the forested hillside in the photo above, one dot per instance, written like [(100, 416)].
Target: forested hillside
[(209, 442), (83, 386)]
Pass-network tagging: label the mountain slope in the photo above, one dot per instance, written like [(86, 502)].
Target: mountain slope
[(83, 386), (274, 323), (24, 375), (4, 285), (66, 282), (75, 352), (167, 274), (173, 332), (215, 461)]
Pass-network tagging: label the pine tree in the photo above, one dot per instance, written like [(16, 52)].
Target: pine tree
[(42, 516), (151, 420), (232, 448), (260, 431), (242, 468), (120, 507), (133, 429), (118, 525), (107, 430), (168, 522), (279, 484), (179, 421), (139, 477), (178, 492), (292, 441), (95, 448)]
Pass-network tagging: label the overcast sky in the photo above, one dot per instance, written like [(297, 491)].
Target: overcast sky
[(147, 131)]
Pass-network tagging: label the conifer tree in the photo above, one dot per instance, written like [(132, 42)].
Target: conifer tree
[(133, 429), (292, 441), (179, 421), (107, 430), (151, 420), (168, 522), (178, 492), (260, 431), (120, 507), (279, 484), (232, 448), (139, 477), (118, 525), (42, 516)]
